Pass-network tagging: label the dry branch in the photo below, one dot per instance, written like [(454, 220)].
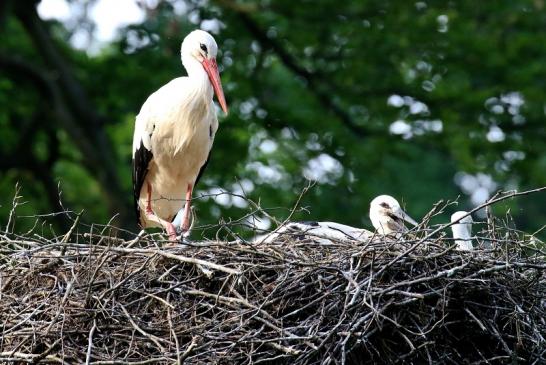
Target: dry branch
[(87, 297)]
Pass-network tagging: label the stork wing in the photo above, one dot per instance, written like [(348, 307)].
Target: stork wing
[(202, 169), (142, 155), (329, 230), (350, 232), (213, 127)]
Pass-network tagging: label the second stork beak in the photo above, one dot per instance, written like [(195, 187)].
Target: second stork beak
[(211, 68), (404, 216)]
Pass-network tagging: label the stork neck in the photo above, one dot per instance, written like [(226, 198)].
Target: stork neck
[(199, 79), (461, 232)]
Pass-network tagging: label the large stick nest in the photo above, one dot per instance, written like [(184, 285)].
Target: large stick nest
[(87, 297)]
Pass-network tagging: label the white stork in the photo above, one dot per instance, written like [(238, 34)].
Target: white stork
[(462, 230), (387, 216), (323, 232), (174, 132), (385, 213)]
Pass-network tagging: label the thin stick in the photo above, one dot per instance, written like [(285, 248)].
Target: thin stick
[(90, 343)]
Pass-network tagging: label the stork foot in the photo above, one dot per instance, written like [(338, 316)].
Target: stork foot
[(183, 229), (179, 241), (171, 231)]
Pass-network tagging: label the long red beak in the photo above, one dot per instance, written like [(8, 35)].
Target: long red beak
[(214, 76)]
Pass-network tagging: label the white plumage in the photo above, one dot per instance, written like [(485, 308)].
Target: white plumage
[(321, 232), (385, 213), (174, 132), (462, 231), (387, 216)]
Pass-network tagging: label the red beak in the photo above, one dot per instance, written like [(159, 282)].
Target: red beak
[(211, 68)]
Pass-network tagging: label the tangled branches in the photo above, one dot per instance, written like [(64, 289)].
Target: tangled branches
[(105, 300)]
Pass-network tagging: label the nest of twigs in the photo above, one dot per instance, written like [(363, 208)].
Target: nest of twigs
[(412, 299)]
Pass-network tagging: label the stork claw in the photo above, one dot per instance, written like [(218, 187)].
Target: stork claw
[(174, 241), (182, 233), (177, 242)]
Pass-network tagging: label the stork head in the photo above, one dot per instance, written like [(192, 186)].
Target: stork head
[(462, 229), (387, 216), (199, 48)]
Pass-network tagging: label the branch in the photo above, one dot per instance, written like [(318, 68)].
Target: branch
[(83, 122), (508, 195), (313, 80), (75, 94)]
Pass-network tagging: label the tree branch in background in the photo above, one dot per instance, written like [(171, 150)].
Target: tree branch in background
[(74, 111), (22, 161), (5, 6), (93, 157), (317, 86)]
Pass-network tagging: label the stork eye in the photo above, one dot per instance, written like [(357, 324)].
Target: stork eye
[(384, 205), (203, 47)]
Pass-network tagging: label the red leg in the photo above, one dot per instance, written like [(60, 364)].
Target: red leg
[(149, 202), (171, 231), (186, 214)]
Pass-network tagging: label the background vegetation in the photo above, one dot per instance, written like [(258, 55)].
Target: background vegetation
[(421, 100)]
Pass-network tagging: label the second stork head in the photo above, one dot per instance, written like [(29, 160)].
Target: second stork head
[(387, 216), (462, 230)]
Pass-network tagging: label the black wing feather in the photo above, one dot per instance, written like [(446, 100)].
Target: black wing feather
[(310, 223), (141, 159)]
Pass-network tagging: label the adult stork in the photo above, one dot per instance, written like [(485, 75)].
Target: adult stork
[(387, 216), (174, 132)]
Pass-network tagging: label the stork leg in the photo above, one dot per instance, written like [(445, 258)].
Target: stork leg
[(186, 214), (169, 227)]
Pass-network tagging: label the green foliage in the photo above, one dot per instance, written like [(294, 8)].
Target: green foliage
[(465, 80)]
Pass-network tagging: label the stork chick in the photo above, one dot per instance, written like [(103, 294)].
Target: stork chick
[(387, 216), (174, 132), (462, 231), (324, 232)]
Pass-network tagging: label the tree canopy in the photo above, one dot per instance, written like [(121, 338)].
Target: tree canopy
[(420, 100)]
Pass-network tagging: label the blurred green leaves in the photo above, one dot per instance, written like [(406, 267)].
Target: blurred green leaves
[(369, 97)]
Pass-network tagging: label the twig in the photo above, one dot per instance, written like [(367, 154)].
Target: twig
[(90, 342), (152, 338)]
